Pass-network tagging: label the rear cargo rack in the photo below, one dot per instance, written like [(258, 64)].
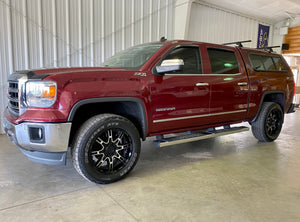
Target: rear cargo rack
[(270, 48), (238, 43)]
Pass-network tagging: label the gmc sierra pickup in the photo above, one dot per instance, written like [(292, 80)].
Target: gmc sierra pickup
[(158, 89)]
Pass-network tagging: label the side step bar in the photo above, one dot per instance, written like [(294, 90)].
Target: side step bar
[(162, 142)]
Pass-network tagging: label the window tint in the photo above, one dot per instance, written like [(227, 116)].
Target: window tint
[(279, 64), (257, 63), (267, 63), (190, 57), (223, 61)]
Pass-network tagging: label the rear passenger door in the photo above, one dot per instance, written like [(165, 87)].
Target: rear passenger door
[(229, 88)]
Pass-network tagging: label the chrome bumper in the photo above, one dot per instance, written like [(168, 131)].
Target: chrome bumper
[(51, 148)]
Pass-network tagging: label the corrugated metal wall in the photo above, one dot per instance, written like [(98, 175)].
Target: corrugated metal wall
[(211, 24), (60, 33)]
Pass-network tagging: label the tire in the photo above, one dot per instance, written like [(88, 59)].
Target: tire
[(267, 126), (106, 148)]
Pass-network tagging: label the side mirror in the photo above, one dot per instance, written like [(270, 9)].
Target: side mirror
[(170, 65)]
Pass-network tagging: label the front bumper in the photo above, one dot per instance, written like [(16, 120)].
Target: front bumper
[(49, 146)]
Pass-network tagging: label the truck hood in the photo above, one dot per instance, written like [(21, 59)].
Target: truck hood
[(57, 71), (71, 73)]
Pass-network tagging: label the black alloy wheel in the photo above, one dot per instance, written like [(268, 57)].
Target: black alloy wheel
[(273, 123), (106, 148), (267, 126), (110, 150)]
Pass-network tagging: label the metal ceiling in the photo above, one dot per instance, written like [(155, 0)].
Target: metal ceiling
[(272, 11)]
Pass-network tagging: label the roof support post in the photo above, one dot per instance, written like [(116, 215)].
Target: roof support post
[(182, 18)]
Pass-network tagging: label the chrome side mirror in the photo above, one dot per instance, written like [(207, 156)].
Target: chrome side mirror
[(170, 65)]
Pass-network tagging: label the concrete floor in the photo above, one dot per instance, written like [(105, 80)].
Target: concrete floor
[(229, 178)]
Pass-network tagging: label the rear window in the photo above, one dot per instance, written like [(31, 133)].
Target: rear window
[(223, 61), (267, 63)]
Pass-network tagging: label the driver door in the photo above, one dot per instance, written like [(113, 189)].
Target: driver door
[(180, 99)]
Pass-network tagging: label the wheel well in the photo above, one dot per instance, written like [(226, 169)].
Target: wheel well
[(131, 110), (276, 97)]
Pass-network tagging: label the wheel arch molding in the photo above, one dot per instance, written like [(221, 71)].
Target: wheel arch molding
[(129, 107), (271, 96)]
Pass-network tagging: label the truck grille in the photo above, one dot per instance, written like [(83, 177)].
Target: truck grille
[(13, 97)]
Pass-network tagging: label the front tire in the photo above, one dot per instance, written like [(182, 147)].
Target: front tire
[(267, 126), (106, 148)]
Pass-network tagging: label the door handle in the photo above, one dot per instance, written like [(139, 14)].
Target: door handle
[(202, 84), (242, 84)]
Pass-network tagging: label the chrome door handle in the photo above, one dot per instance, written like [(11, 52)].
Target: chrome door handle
[(242, 84), (202, 84)]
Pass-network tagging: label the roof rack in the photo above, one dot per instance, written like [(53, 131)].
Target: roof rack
[(238, 43), (270, 48)]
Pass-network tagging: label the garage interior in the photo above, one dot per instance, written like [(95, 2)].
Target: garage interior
[(228, 178)]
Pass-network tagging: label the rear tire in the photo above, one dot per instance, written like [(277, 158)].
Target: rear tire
[(106, 148), (267, 126)]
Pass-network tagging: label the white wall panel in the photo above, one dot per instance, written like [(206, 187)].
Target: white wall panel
[(19, 34), (61, 33), (210, 24), (6, 52), (34, 27), (75, 32)]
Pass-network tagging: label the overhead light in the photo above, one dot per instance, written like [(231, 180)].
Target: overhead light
[(292, 15)]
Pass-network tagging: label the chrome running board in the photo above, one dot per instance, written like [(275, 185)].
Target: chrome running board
[(190, 137)]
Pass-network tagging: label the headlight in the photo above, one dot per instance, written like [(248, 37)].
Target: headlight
[(40, 93)]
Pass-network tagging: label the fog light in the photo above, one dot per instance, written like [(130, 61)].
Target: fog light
[(36, 134)]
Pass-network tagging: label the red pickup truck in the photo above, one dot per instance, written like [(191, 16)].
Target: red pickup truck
[(156, 89)]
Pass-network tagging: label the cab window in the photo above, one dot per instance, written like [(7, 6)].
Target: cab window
[(223, 61), (190, 57)]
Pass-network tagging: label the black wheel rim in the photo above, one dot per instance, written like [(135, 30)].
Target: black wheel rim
[(273, 123), (110, 151)]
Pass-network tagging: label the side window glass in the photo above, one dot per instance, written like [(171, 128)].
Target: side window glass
[(256, 62), (190, 57), (268, 63), (223, 61), (280, 66)]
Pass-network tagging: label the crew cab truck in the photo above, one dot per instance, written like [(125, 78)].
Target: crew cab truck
[(185, 88)]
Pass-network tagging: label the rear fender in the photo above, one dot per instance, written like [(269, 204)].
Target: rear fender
[(271, 96)]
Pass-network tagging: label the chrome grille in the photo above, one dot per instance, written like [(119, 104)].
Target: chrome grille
[(13, 97)]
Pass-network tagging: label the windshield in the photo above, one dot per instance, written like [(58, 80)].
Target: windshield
[(133, 58)]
